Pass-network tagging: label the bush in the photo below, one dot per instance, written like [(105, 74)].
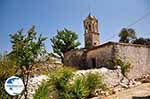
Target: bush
[(62, 85), (7, 69), (3, 94), (59, 80), (78, 89), (84, 86), (94, 81), (42, 92), (114, 62), (125, 66)]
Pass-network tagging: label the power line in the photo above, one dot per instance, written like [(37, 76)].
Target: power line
[(133, 23), (140, 19)]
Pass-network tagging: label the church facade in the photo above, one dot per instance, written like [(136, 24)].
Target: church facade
[(96, 55)]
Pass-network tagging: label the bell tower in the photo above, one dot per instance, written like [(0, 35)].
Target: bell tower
[(91, 35)]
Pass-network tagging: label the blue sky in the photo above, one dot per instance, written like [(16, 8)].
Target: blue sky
[(50, 15)]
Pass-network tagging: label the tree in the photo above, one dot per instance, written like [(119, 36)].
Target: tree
[(27, 49), (64, 41), (143, 41), (126, 35)]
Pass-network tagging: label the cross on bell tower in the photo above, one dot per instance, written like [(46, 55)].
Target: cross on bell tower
[(91, 35)]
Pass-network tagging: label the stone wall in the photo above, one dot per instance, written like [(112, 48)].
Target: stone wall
[(75, 58), (99, 56), (110, 77), (137, 55)]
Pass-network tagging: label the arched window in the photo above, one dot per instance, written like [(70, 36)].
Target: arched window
[(90, 27), (86, 29)]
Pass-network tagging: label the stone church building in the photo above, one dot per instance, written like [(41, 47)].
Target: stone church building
[(96, 55)]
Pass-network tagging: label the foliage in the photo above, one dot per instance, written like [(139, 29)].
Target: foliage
[(3, 94), (114, 62), (126, 35), (27, 51), (42, 92), (64, 41), (78, 89), (26, 48), (125, 66), (143, 41), (59, 80), (7, 69), (84, 86), (64, 84), (94, 81)]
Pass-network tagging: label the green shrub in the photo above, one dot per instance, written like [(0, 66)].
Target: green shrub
[(94, 81), (59, 80), (78, 89), (63, 85), (7, 69), (42, 92), (3, 94), (84, 86), (125, 66), (114, 62)]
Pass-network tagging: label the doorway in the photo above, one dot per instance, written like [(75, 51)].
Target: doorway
[(93, 62)]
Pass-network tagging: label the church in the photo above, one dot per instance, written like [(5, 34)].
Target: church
[(97, 55)]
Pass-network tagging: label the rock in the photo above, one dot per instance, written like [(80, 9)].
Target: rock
[(102, 93), (111, 77), (103, 70), (33, 85), (144, 78), (138, 83), (107, 93), (115, 90), (124, 85), (95, 98)]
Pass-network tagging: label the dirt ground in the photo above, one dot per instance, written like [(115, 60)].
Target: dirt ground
[(138, 92)]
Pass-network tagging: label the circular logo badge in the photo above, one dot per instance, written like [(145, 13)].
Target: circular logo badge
[(14, 85)]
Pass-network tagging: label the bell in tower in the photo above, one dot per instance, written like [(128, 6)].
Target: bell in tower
[(91, 32)]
